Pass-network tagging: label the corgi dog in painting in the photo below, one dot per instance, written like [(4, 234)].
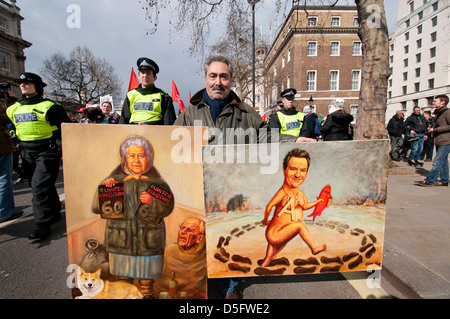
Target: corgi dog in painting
[(93, 287)]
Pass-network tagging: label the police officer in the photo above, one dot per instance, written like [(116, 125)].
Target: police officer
[(147, 104), (38, 127), (288, 120)]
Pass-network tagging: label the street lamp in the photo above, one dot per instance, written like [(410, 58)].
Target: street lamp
[(253, 3), (311, 100)]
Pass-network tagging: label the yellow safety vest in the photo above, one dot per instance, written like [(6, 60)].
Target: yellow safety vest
[(291, 124), (30, 120), (145, 108)]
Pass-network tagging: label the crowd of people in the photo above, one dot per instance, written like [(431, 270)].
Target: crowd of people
[(37, 125), (416, 137)]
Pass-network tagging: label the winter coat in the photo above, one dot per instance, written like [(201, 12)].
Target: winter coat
[(6, 144), (133, 235), (336, 127), (234, 115), (395, 126), (442, 132), (416, 123)]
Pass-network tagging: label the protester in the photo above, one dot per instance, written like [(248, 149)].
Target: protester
[(95, 115), (288, 120), (107, 107), (38, 127), (441, 135), (7, 205), (147, 104), (311, 120), (336, 126), (428, 145), (415, 127), (83, 115), (395, 130), (217, 106)]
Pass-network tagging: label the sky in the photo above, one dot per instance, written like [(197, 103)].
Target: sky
[(117, 31)]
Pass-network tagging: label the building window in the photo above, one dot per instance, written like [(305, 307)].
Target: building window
[(406, 36), (407, 23), (406, 48), (431, 83), (404, 89), (3, 23), (312, 22), (334, 48), (283, 61), (417, 86), (417, 72), (334, 80), (405, 62), (335, 21), (411, 6), (312, 48), (354, 112), (404, 106), (288, 81), (419, 43), (311, 81), (418, 57), (405, 76), (419, 29), (274, 71), (435, 6), (356, 80), (391, 58), (434, 36), (289, 55), (434, 21), (390, 83), (4, 60), (432, 67), (420, 15), (432, 52), (356, 49), (355, 21)]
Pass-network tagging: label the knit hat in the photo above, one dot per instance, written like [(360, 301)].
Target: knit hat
[(307, 110), (337, 104)]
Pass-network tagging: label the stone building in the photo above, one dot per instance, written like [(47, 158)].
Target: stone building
[(318, 52), (419, 55), (12, 45)]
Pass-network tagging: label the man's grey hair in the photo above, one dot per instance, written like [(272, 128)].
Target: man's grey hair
[(218, 58)]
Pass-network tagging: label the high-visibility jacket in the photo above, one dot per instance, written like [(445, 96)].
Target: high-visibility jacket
[(30, 120), (145, 108), (291, 124)]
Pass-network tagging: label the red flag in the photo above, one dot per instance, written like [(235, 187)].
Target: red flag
[(176, 96), (134, 82), (189, 96)]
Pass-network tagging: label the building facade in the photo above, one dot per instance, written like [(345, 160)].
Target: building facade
[(12, 45), (317, 52), (419, 55)]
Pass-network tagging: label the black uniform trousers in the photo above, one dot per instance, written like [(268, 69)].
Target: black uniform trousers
[(40, 165)]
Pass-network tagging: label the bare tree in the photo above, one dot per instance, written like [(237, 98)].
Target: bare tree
[(199, 14), (236, 43), (81, 77)]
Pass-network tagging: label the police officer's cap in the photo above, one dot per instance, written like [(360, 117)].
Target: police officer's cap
[(288, 93), (31, 77), (147, 64)]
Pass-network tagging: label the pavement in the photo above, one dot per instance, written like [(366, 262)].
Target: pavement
[(416, 261)]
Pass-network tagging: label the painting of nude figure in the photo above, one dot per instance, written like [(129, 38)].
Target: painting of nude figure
[(322, 210)]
